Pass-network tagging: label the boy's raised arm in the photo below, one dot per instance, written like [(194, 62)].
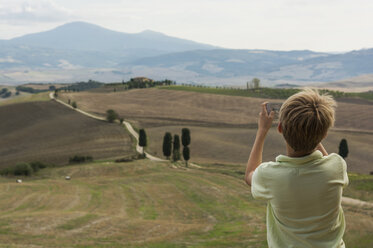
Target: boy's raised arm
[(255, 159)]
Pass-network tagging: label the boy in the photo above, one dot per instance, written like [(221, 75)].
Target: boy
[(304, 188)]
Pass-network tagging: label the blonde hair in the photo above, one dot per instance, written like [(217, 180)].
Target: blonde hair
[(305, 119)]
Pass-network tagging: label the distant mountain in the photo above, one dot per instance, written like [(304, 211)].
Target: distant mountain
[(340, 66), (228, 62), (89, 37), (81, 51), (364, 82), (87, 45), (271, 65)]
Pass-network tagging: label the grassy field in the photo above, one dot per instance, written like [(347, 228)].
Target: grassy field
[(129, 205), (143, 204), (49, 132), (233, 145), (223, 127), (42, 86), (177, 106), (159, 107), (152, 204), (24, 97)]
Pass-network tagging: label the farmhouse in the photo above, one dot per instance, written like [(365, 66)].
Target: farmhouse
[(142, 80)]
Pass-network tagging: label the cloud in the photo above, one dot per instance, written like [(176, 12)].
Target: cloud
[(32, 11)]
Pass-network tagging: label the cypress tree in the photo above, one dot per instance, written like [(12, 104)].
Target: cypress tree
[(185, 140), (167, 145), (186, 155), (176, 148), (142, 140), (185, 136), (343, 148)]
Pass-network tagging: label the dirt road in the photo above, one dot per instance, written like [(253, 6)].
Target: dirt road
[(125, 123)]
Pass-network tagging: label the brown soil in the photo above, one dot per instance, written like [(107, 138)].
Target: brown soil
[(50, 132), (223, 127)]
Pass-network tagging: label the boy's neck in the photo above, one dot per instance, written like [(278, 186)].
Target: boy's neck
[(291, 153)]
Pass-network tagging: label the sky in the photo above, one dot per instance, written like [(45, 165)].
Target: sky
[(318, 25)]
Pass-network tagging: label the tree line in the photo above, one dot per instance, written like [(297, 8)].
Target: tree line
[(134, 83), (5, 93), (172, 146)]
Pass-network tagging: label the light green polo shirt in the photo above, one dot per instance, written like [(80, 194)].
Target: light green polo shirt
[(304, 200)]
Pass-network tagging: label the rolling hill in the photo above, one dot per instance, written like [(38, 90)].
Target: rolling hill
[(293, 66), (223, 127), (145, 203), (49, 132)]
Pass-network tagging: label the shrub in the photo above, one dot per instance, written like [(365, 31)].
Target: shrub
[(74, 105), (22, 169), (6, 94), (80, 159), (37, 166), (111, 115), (121, 160), (7, 171), (141, 156)]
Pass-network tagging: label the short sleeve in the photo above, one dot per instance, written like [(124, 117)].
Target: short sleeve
[(344, 172), (340, 169), (259, 188)]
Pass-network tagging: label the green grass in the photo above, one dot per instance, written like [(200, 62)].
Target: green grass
[(78, 222), (360, 187), (141, 204), (364, 95), (135, 204)]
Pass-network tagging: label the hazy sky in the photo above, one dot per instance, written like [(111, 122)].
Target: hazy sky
[(320, 25)]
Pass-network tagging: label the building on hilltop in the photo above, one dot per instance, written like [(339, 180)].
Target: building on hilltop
[(142, 80)]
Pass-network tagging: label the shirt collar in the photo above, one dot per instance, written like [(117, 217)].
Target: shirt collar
[(300, 160)]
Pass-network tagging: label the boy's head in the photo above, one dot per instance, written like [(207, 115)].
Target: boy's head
[(305, 118)]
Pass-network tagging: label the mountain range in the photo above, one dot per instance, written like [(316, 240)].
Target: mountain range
[(78, 51)]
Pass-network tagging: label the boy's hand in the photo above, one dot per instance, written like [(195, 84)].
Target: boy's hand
[(255, 159), (265, 120)]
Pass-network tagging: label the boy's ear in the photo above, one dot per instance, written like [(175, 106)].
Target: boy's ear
[(279, 127)]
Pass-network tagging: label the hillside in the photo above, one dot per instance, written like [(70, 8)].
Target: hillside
[(81, 51), (358, 84), (223, 127), (302, 67), (87, 45), (143, 204), (49, 132)]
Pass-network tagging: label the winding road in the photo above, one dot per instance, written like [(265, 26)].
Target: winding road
[(125, 123)]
